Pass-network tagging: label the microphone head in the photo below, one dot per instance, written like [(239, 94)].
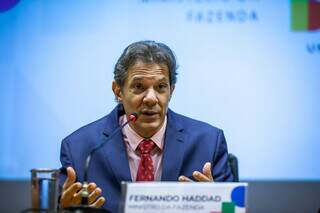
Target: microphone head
[(133, 117)]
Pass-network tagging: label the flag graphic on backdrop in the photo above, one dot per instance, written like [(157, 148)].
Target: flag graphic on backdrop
[(305, 15)]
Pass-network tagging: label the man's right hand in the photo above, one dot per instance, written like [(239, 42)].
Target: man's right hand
[(71, 192)]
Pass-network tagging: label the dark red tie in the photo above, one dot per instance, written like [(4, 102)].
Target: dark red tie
[(145, 169)]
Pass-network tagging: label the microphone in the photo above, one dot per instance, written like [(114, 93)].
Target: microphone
[(85, 192)]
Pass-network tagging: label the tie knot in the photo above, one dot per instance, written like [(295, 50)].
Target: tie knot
[(146, 146)]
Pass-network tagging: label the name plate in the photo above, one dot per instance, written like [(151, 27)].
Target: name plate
[(175, 197)]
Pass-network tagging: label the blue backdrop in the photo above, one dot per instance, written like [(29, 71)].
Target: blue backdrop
[(241, 68)]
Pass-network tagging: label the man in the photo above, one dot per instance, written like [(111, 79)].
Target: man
[(160, 146)]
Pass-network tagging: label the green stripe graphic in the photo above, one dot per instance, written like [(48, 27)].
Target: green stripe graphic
[(228, 207), (299, 15)]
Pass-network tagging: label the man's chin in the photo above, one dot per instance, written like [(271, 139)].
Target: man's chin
[(148, 129)]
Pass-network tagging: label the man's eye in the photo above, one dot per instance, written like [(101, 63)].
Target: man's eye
[(138, 86), (162, 86)]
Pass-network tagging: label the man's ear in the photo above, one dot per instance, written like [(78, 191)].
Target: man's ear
[(116, 91)]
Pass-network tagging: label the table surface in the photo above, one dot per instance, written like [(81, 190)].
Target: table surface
[(263, 196)]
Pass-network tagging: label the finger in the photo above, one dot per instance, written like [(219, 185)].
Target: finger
[(98, 202), (71, 178), (92, 187), (200, 177), (207, 170), (184, 179), (68, 194), (94, 195), (77, 197)]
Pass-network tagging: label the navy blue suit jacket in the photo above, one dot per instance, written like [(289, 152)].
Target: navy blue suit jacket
[(188, 145)]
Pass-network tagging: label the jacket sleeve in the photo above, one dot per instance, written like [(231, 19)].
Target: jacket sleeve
[(221, 170), (66, 161)]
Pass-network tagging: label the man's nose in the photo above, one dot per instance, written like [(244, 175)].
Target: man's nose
[(150, 97)]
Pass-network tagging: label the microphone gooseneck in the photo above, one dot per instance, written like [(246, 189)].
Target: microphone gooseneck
[(85, 192)]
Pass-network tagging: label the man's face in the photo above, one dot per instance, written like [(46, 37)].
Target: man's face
[(147, 92)]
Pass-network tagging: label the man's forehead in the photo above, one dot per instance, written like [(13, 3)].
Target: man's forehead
[(141, 71), (140, 63), (148, 77), (147, 66)]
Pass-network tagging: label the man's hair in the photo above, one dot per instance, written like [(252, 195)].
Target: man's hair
[(148, 52)]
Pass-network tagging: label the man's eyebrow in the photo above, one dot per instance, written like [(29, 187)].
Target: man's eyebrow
[(137, 79)]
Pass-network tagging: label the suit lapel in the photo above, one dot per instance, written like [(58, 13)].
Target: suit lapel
[(115, 150), (173, 149), (116, 153)]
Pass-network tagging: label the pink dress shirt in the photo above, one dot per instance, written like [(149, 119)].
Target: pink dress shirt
[(132, 140)]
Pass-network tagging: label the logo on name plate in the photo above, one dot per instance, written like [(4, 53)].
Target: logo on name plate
[(6, 5), (237, 201)]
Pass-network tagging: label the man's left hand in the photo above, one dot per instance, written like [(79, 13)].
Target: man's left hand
[(205, 176)]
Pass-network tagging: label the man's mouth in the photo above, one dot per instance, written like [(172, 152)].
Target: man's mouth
[(149, 113)]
